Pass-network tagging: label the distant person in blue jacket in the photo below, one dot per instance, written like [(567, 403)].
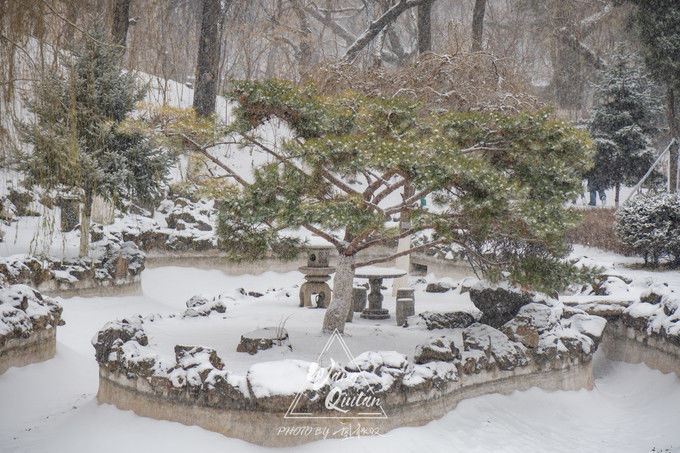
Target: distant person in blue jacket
[(595, 190)]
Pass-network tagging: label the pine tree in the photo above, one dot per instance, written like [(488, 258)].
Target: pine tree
[(658, 27), (490, 177), (78, 142), (623, 124)]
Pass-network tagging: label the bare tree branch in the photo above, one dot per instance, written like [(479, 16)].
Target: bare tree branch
[(577, 46), (336, 28), (397, 255), (376, 26)]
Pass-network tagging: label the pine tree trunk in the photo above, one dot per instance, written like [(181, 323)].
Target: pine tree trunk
[(424, 14), (207, 62), (121, 21), (478, 25), (616, 194), (341, 303), (85, 225), (673, 132)]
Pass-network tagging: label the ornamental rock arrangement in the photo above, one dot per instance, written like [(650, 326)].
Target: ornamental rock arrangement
[(111, 262), (28, 322), (541, 336), (178, 225)]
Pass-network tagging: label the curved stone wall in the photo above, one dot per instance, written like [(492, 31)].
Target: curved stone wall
[(39, 346), (627, 344), (619, 342), (268, 428), (546, 345), (28, 326), (475, 359)]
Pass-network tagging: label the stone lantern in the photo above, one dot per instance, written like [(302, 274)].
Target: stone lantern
[(317, 273)]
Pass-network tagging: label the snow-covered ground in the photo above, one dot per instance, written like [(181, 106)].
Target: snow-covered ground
[(51, 406)]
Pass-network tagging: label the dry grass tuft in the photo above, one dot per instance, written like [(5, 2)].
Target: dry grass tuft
[(597, 230)]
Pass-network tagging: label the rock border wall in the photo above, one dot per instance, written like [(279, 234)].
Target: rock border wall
[(627, 344), (261, 427), (38, 347), (475, 359), (28, 326)]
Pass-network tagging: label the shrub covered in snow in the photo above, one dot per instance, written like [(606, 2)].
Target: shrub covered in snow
[(650, 226)]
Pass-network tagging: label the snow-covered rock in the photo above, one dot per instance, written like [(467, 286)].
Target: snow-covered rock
[(498, 303), (262, 339), (112, 261), (23, 311), (436, 349), (431, 320)]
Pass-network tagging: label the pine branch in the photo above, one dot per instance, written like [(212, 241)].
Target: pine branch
[(397, 255), (385, 240), (407, 203), (338, 244)]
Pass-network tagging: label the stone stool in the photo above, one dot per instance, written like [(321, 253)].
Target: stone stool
[(359, 298), (406, 305)]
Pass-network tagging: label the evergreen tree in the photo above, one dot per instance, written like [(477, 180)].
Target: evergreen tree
[(78, 142), (490, 178), (658, 27), (623, 124)]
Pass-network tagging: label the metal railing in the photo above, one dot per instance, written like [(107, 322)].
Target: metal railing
[(651, 169)]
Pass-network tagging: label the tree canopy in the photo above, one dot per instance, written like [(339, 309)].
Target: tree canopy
[(624, 124), (491, 178), (76, 132)]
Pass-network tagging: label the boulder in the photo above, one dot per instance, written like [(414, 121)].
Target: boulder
[(498, 304), (531, 320), (8, 211), (440, 349), (442, 320), (262, 339), (437, 287), (520, 329), (21, 199), (505, 354), (202, 306)]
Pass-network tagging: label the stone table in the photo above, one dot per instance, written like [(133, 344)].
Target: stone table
[(375, 276)]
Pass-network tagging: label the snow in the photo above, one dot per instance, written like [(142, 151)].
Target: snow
[(642, 310), (53, 404), (266, 377)]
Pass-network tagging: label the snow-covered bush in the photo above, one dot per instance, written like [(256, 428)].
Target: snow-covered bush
[(650, 226)]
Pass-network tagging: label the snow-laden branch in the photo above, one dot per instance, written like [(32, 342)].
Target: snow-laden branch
[(577, 46), (588, 24), (336, 28), (378, 25)]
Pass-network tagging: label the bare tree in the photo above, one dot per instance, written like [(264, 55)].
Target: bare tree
[(207, 63), (120, 21), (673, 132), (425, 26), (478, 25), (379, 24)]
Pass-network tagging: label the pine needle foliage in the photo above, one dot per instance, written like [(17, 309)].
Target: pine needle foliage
[(490, 178)]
